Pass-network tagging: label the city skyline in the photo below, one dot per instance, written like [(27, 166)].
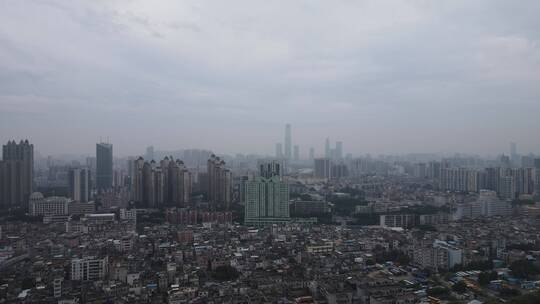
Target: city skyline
[(248, 151), (319, 150), (382, 78)]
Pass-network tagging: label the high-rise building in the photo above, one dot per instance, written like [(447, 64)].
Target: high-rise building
[(311, 154), (79, 184), (219, 183), (514, 157), (166, 184), (537, 177), (288, 142), (104, 166), (149, 153), (268, 169), (323, 168), (527, 161), (279, 150), (460, 179), (339, 150), (16, 174), (338, 170), (296, 153), (267, 198), (327, 150)]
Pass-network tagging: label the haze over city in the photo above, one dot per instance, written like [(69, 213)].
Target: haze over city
[(381, 76)]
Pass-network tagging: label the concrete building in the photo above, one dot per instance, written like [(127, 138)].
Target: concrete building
[(219, 183), (267, 200), (149, 153), (487, 204), (89, 269), (459, 179), (80, 208), (296, 153), (309, 208), (288, 142), (397, 220), (39, 205), (104, 166), (339, 150), (327, 150), (128, 214), (323, 168), (268, 169), (16, 174), (279, 150), (537, 177), (79, 184), (170, 183)]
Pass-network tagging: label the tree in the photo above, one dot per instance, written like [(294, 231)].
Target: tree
[(509, 292), (486, 276), (437, 291), (524, 269), (529, 298), (460, 287), (225, 273), (27, 283)]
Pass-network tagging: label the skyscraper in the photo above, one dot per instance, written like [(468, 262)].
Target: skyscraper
[(104, 166), (322, 168), (149, 153), (514, 158), (311, 154), (267, 169), (339, 150), (267, 198), (16, 174), (219, 183), (79, 184), (279, 150), (296, 153), (169, 183), (288, 142), (327, 152), (537, 177)]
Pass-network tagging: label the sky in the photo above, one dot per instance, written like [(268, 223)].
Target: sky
[(381, 76)]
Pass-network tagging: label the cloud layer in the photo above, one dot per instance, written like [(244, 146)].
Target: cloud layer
[(383, 76)]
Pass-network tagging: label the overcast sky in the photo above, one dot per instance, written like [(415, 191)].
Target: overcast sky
[(382, 76)]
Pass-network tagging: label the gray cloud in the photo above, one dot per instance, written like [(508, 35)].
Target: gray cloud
[(383, 76)]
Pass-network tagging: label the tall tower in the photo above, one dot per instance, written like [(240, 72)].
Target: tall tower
[(16, 174), (339, 150), (79, 184), (104, 166), (269, 169), (267, 197), (327, 152), (537, 177), (311, 153), (514, 159), (288, 142), (279, 150), (322, 168), (296, 153), (219, 183), (149, 153)]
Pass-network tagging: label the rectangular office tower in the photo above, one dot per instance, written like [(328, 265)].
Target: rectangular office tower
[(288, 141), (16, 174), (104, 166), (267, 198), (79, 184)]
